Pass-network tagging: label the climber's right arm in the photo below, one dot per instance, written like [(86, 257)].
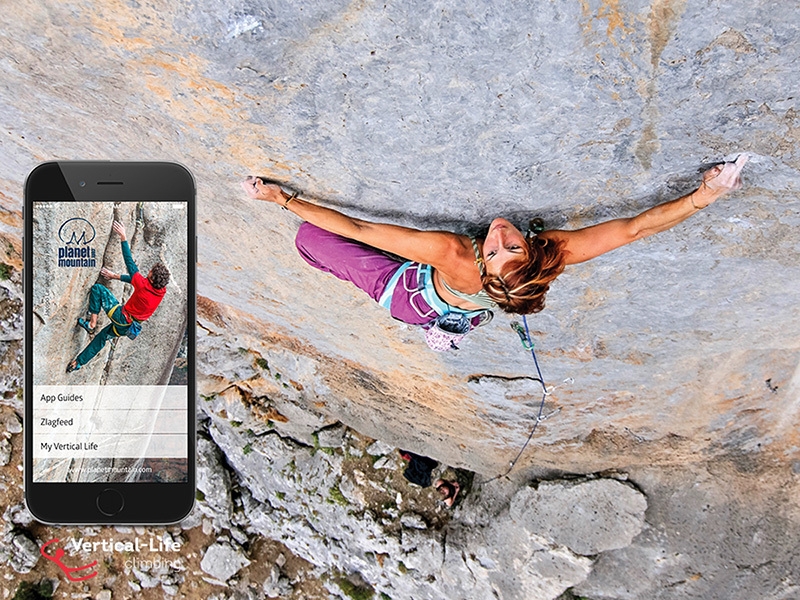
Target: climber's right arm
[(441, 249), (130, 265)]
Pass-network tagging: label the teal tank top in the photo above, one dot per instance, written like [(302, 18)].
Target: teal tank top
[(481, 298)]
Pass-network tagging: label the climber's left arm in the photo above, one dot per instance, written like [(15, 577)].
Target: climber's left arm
[(587, 243)]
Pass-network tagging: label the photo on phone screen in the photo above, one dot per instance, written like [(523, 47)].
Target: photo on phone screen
[(109, 354), (120, 415)]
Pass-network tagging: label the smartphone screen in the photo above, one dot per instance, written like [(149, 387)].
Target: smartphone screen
[(110, 345)]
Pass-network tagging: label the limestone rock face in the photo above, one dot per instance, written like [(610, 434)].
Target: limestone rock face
[(537, 546), (560, 512), (674, 359), (223, 561), (444, 117)]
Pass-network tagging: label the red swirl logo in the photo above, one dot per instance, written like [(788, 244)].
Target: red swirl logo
[(68, 571)]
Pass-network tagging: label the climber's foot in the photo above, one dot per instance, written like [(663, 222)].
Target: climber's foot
[(85, 324)]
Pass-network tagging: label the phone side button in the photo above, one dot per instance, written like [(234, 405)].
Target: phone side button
[(110, 502)]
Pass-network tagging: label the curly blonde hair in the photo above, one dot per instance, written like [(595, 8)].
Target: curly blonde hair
[(521, 288)]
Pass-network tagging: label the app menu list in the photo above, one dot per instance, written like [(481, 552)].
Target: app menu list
[(110, 422)]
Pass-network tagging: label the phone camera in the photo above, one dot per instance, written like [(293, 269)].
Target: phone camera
[(82, 184)]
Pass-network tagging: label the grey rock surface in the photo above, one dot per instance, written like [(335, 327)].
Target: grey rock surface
[(214, 484), (703, 540), (5, 451), (682, 348), (12, 423), (331, 437), (379, 448), (222, 561), (276, 585), (20, 551), (588, 517), (18, 514), (412, 520), (318, 506), (168, 577), (385, 462), (471, 111)]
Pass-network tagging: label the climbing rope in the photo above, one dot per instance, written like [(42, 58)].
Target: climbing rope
[(527, 343)]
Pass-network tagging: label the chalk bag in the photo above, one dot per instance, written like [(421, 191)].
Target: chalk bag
[(447, 330)]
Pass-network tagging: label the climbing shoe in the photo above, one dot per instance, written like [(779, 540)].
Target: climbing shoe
[(85, 324)]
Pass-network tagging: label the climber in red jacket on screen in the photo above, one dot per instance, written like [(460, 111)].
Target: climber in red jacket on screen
[(125, 319)]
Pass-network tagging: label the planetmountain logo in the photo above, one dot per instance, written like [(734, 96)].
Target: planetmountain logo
[(75, 234), (76, 231)]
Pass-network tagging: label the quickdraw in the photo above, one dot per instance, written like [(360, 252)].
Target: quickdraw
[(526, 341)]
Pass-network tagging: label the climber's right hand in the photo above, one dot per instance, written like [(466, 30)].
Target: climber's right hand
[(119, 229), (258, 189)]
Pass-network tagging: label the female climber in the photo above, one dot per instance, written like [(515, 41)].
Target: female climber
[(448, 274)]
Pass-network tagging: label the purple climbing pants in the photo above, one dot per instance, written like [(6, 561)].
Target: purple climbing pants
[(368, 268)]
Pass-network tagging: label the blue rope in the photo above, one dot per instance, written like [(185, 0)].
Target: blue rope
[(528, 345)]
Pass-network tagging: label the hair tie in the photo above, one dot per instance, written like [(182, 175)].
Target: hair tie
[(505, 288)]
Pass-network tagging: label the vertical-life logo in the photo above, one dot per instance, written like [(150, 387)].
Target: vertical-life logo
[(81, 573), (128, 548), (75, 235)]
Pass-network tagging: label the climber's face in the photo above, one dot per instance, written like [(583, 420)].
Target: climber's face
[(503, 243)]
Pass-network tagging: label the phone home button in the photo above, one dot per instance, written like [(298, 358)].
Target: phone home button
[(110, 502)]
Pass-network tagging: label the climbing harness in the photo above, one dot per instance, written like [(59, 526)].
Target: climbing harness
[(133, 329), (527, 343), (448, 325)]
